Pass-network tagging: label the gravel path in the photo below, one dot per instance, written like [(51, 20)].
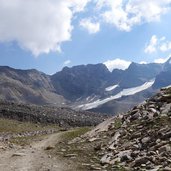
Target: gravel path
[(33, 158)]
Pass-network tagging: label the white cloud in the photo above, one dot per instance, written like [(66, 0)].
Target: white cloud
[(124, 14), (158, 44), (166, 46), (67, 62), (91, 27), (161, 60), (36, 25), (117, 63), (41, 26), (151, 47)]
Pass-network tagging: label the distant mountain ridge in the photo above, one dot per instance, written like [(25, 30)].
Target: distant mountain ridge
[(27, 86), (85, 85)]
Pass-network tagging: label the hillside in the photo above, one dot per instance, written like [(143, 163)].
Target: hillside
[(28, 86), (136, 140)]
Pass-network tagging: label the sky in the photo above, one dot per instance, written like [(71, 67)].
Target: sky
[(50, 34)]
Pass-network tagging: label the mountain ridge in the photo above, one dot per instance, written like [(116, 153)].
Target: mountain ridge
[(81, 84)]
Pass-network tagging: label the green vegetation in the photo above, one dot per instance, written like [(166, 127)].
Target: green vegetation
[(22, 141), (118, 123), (168, 91), (118, 168), (13, 126), (75, 133), (167, 96)]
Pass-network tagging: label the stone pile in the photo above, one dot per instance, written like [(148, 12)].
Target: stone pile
[(139, 139), (61, 116)]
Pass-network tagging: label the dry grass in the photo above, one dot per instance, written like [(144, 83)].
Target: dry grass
[(13, 126)]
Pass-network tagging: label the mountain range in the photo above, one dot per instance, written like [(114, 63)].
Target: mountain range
[(85, 87)]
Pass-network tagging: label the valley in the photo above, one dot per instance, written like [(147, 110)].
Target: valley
[(86, 118), (86, 87)]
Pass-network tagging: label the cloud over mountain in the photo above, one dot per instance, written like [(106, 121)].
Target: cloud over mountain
[(41, 26), (158, 44), (117, 63), (126, 14)]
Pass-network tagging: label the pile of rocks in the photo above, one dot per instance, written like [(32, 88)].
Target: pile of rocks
[(49, 115), (139, 139)]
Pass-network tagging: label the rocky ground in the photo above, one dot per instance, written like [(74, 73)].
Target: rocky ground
[(29, 135), (137, 140), (63, 117), (33, 157), (26, 146)]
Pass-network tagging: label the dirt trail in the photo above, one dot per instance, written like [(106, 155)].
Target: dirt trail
[(33, 158)]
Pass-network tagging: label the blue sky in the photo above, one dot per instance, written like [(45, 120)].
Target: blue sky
[(64, 33)]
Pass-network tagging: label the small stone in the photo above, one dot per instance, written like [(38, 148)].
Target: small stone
[(49, 147), (165, 148), (145, 140), (139, 161), (158, 141), (63, 150), (18, 154), (166, 135), (2, 147), (135, 116), (95, 168), (86, 164), (70, 155), (106, 158), (143, 165), (92, 139), (167, 168)]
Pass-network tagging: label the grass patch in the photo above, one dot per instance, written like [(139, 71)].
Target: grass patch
[(13, 126), (23, 141), (8, 126), (118, 123), (75, 133)]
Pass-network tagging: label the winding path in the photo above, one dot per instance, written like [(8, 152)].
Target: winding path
[(32, 158)]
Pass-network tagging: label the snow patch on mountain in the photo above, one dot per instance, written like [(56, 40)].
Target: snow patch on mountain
[(110, 88), (124, 92), (90, 98)]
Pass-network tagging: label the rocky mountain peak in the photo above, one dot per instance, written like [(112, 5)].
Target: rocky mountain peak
[(80, 85), (80, 81), (167, 65)]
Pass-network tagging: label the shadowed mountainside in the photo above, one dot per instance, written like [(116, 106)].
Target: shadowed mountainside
[(78, 86)]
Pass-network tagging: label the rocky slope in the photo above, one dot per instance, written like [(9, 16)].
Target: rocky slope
[(64, 117), (81, 81), (137, 74), (137, 140), (28, 86)]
